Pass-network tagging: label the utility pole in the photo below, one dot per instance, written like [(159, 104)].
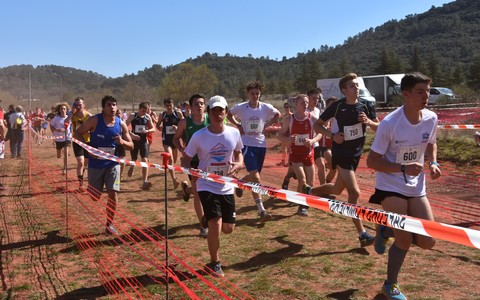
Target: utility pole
[(30, 90)]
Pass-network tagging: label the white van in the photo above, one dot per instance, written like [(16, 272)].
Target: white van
[(330, 87)]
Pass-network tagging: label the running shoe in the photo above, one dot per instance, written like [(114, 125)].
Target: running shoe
[(302, 211), (146, 186), (238, 192), (111, 230), (285, 184), (265, 216), (204, 222), (176, 184), (366, 239), (185, 194), (203, 232), (130, 171), (380, 241), (306, 189), (392, 291), (214, 268)]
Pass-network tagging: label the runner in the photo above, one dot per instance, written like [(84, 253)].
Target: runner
[(403, 139), (37, 118), (349, 118), (168, 126), (255, 117), (61, 133), (185, 130), (3, 133), (324, 149), (298, 129), (106, 132), (79, 116), (219, 151), (141, 124), (154, 118)]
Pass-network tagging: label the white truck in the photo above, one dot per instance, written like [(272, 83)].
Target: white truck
[(331, 88), (384, 87)]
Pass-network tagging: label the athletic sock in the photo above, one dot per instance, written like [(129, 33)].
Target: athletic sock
[(396, 256), (259, 204)]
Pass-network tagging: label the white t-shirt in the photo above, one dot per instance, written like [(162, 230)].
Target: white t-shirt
[(400, 141), (316, 114), (58, 123), (253, 122), (215, 152)]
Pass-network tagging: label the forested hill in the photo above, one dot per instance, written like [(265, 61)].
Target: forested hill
[(442, 42)]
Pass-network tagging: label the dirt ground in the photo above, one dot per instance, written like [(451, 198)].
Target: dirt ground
[(288, 258)]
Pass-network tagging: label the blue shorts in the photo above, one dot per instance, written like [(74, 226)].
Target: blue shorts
[(253, 158)]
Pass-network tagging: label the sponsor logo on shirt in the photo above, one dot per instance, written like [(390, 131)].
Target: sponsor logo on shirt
[(219, 152), (425, 137)]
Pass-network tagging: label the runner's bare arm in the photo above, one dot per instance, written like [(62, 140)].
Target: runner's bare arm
[(89, 126), (125, 140), (237, 164), (431, 153), (284, 132), (177, 138)]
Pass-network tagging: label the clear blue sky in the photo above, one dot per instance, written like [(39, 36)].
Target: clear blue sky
[(116, 37)]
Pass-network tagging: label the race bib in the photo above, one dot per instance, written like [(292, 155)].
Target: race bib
[(253, 127), (353, 132), (140, 128), (218, 169), (169, 130), (109, 150), (408, 154), (300, 139)]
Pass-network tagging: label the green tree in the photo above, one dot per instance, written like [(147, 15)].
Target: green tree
[(434, 69), (474, 70), (390, 62), (458, 75), (416, 63), (385, 62), (186, 80), (303, 76), (259, 74), (344, 66)]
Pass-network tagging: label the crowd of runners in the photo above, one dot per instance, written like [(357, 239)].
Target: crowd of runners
[(319, 138)]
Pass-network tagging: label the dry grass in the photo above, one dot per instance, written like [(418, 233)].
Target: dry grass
[(290, 257)]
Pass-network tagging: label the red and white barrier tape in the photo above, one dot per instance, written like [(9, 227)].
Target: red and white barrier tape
[(455, 234), (473, 126)]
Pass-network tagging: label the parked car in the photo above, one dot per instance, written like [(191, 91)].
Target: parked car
[(440, 94)]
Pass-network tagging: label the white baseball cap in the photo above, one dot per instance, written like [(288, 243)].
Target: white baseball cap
[(217, 101)]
